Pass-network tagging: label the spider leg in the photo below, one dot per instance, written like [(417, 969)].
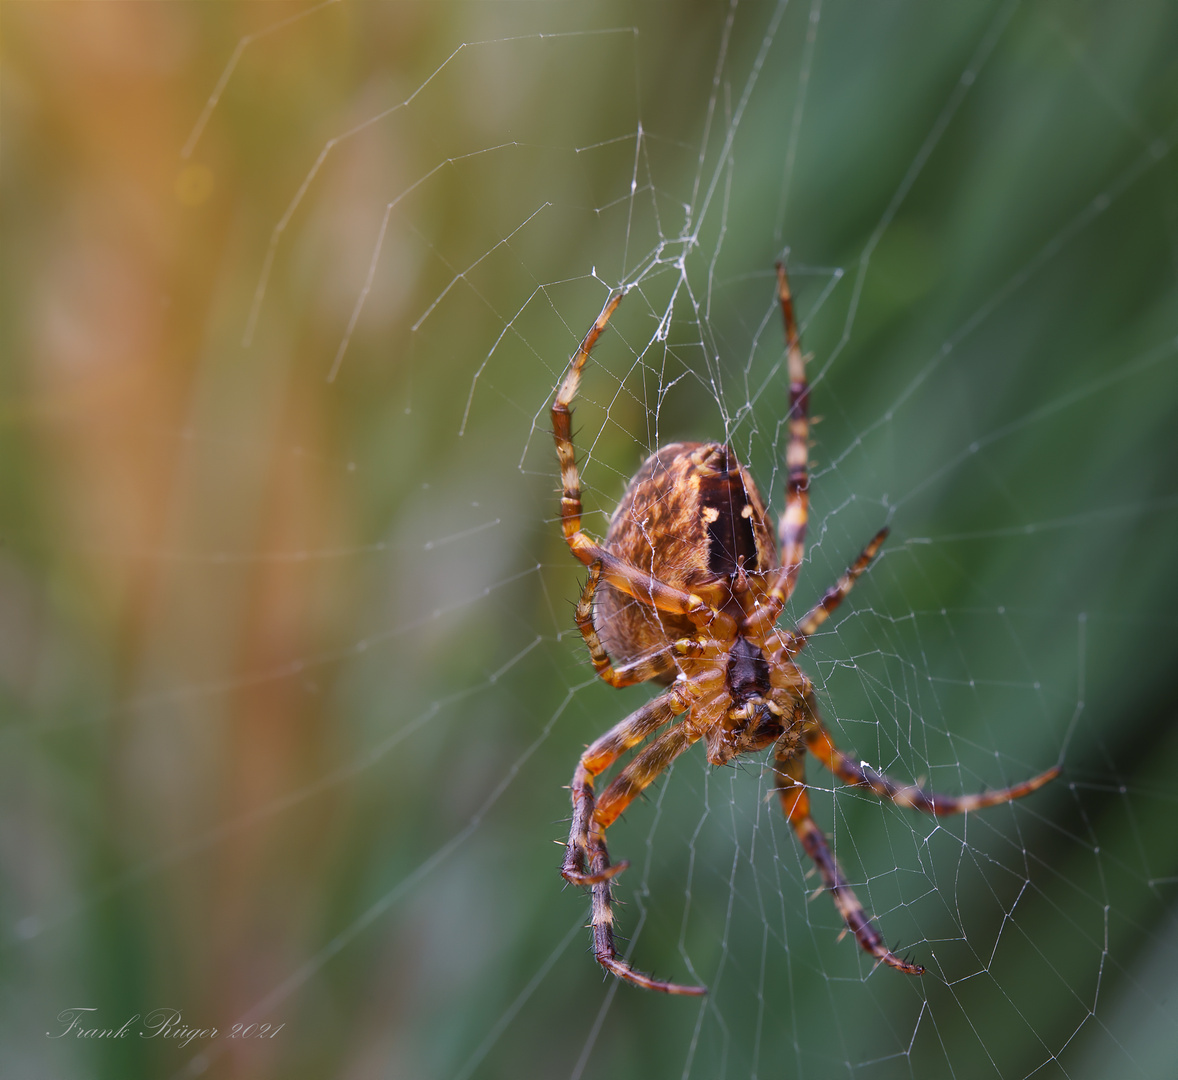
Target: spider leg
[(820, 612), (797, 454), (598, 757), (847, 769), (637, 671), (789, 765), (630, 782), (586, 844), (605, 750), (792, 527), (645, 667), (618, 572)]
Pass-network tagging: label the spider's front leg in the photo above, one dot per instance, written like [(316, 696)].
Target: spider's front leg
[(586, 860)]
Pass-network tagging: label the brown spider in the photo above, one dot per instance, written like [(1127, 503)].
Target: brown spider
[(689, 587)]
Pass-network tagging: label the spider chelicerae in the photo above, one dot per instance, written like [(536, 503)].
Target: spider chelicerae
[(686, 591)]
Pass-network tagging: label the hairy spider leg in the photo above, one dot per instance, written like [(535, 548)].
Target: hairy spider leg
[(793, 641), (861, 774), (796, 639), (636, 671), (591, 818), (631, 781), (790, 769), (618, 572), (644, 668), (606, 749), (792, 526), (598, 757)]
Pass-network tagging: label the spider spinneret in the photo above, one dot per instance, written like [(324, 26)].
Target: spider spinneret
[(686, 590)]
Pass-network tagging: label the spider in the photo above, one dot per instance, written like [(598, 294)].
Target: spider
[(686, 591)]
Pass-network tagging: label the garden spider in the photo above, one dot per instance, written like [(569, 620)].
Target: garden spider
[(689, 586)]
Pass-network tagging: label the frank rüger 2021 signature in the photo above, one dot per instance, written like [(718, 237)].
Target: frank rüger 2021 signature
[(164, 1024)]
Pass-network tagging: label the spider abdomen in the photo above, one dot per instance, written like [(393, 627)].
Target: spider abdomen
[(690, 517)]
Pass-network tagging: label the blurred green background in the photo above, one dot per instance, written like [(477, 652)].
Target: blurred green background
[(289, 681)]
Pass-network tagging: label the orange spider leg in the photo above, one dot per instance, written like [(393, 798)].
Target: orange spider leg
[(861, 774), (789, 766), (796, 639), (591, 817), (605, 750), (619, 573), (640, 670), (598, 757), (630, 782), (644, 668), (792, 527)]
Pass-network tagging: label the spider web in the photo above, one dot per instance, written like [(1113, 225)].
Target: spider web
[(291, 679)]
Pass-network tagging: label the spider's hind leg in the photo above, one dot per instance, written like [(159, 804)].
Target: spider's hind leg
[(835, 595), (636, 671)]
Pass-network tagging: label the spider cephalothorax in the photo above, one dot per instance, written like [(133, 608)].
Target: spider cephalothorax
[(686, 591)]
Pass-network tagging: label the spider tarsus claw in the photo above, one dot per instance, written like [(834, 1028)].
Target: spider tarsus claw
[(892, 960), (613, 871), (577, 877)]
